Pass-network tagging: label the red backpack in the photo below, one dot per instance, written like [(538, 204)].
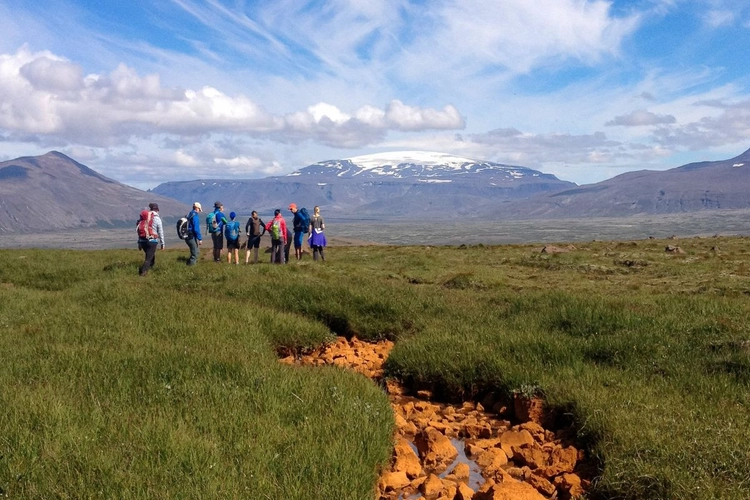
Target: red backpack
[(144, 227)]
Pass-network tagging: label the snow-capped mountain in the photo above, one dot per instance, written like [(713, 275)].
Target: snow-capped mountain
[(426, 166), (396, 184)]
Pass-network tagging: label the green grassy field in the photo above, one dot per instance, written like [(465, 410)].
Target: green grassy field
[(168, 386)]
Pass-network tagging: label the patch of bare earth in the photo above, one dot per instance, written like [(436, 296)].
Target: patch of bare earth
[(461, 452)]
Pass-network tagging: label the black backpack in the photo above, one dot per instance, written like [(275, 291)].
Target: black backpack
[(183, 227)]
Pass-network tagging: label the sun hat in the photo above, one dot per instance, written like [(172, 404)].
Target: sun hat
[(198, 206), (292, 206)]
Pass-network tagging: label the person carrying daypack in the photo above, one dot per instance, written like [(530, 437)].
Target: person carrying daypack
[(232, 234), (215, 225), (194, 239), (277, 229), (150, 236), (300, 225), (255, 228)]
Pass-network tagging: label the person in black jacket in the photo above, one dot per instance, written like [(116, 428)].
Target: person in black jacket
[(254, 229)]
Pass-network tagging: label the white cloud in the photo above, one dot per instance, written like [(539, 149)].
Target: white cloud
[(44, 94), (718, 18), (640, 118)]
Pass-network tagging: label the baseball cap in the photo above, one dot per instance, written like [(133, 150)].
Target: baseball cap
[(232, 215), (198, 206), (217, 204), (292, 206)]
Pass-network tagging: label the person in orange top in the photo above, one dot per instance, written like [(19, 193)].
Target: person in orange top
[(277, 229)]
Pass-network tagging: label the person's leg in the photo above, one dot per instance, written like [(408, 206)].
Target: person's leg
[(149, 250), (322, 255), (315, 252), (255, 255), (192, 244)]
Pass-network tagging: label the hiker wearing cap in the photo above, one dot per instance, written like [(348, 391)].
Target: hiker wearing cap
[(232, 233), (215, 224), (254, 229), (194, 238), (150, 236), (277, 229), (299, 225)]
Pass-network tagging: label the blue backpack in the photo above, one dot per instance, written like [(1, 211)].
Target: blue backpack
[(232, 230), (305, 219)]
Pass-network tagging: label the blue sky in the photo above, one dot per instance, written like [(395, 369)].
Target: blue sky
[(147, 92)]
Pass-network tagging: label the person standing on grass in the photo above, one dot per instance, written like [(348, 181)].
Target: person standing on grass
[(255, 228), (288, 244), (232, 233), (150, 236), (299, 226), (194, 238), (217, 231), (277, 229), (317, 239)]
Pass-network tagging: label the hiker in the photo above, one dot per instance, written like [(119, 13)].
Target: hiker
[(194, 238), (150, 236), (277, 229), (232, 233), (215, 226), (288, 244), (300, 225), (317, 239), (255, 228)]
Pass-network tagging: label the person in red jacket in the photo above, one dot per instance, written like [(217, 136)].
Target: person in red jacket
[(277, 229)]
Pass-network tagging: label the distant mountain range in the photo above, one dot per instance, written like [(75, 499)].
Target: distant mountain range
[(53, 191), (388, 185)]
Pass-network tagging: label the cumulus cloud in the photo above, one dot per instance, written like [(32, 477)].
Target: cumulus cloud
[(41, 93), (732, 126), (640, 118)]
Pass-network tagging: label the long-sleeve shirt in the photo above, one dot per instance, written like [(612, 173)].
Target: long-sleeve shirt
[(194, 225), (282, 226)]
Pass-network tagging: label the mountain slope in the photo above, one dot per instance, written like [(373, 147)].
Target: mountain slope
[(694, 187), (52, 192), (399, 184)]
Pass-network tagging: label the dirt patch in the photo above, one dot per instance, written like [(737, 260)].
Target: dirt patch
[(462, 451)]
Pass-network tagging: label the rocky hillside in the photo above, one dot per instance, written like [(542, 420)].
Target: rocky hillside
[(54, 192)]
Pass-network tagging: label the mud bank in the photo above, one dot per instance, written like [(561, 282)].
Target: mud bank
[(461, 452)]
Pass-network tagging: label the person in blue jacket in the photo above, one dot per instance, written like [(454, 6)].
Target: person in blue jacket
[(218, 236), (194, 238)]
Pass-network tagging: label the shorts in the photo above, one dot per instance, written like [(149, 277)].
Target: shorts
[(233, 244), (253, 242), (298, 235), (218, 240)]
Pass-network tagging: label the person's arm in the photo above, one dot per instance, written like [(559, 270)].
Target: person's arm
[(159, 230), (197, 227), (262, 227)]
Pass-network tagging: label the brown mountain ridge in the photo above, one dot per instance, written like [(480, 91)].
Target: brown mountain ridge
[(53, 192)]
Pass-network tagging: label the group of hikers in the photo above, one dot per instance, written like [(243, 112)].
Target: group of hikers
[(151, 234)]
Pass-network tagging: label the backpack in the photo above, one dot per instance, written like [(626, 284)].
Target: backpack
[(276, 230), (232, 230), (212, 225), (144, 227), (183, 227), (305, 219)]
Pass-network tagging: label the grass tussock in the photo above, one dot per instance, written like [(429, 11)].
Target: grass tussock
[(168, 386)]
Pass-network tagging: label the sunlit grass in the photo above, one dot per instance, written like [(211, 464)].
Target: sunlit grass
[(116, 386)]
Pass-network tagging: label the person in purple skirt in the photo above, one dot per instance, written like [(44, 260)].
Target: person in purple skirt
[(317, 239)]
